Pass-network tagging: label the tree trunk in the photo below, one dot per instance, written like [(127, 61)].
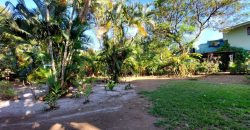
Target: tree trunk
[(115, 78), (84, 11), (64, 63), (53, 65)]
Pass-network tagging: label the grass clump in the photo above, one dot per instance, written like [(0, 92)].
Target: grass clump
[(198, 105)]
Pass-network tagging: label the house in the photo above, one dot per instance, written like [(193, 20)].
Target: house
[(209, 50), (238, 35), (210, 46)]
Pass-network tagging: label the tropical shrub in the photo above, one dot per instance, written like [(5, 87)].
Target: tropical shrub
[(86, 93), (118, 45), (39, 75), (128, 86), (90, 80), (182, 65), (208, 66), (240, 58), (54, 94), (248, 78), (6, 91), (56, 27), (236, 68), (90, 64), (130, 67), (110, 85), (85, 89), (6, 74), (7, 62)]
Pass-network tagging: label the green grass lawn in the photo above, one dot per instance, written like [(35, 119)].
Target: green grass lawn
[(199, 105)]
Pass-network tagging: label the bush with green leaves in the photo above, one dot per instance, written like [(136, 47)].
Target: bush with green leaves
[(90, 80), (241, 56), (248, 78), (85, 89), (110, 85), (55, 92), (86, 93), (182, 65), (238, 68), (209, 66), (128, 86), (6, 91), (39, 75)]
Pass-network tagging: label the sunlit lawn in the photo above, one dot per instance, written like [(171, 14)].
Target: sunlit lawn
[(198, 105)]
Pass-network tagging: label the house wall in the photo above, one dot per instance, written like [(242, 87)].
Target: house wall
[(238, 37)]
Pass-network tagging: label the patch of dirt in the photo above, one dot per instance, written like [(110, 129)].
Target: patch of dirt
[(111, 110), (227, 79), (150, 83), (129, 115)]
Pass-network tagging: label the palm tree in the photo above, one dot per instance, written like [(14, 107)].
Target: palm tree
[(117, 46), (57, 26)]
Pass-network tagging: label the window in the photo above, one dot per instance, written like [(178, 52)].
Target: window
[(248, 30), (214, 44)]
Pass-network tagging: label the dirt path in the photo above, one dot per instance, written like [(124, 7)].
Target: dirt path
[(151, 83), (231, 79), (117, 114)]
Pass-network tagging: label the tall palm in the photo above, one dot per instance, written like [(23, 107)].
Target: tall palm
[(117, 45)]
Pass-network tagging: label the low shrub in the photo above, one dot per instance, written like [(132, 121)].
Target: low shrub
[(86, 93), (6, 91), (54, 94), (128, 86), (110, 85), (248, 77), (85, 90), (90, 80), (208, 67), (182, 65), (241, 56), (237, 68), (39, 75)]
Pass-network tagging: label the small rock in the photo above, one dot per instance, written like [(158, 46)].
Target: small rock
[(69, 95), (41, 98), (17, 98), (71, 89)]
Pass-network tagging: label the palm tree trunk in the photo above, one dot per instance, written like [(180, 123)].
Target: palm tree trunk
[(64, 63), (53, 65)]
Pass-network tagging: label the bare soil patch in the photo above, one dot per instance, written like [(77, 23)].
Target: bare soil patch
[(109, 110), (228, 79), (150, 83)]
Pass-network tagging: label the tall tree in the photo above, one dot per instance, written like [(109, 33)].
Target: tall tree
[(179, 20), (117, 44)]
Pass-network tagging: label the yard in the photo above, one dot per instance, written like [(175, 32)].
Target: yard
[(123, 65), (200, 105), (211, 102)]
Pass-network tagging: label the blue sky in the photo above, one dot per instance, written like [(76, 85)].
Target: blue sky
[(206, 35)]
